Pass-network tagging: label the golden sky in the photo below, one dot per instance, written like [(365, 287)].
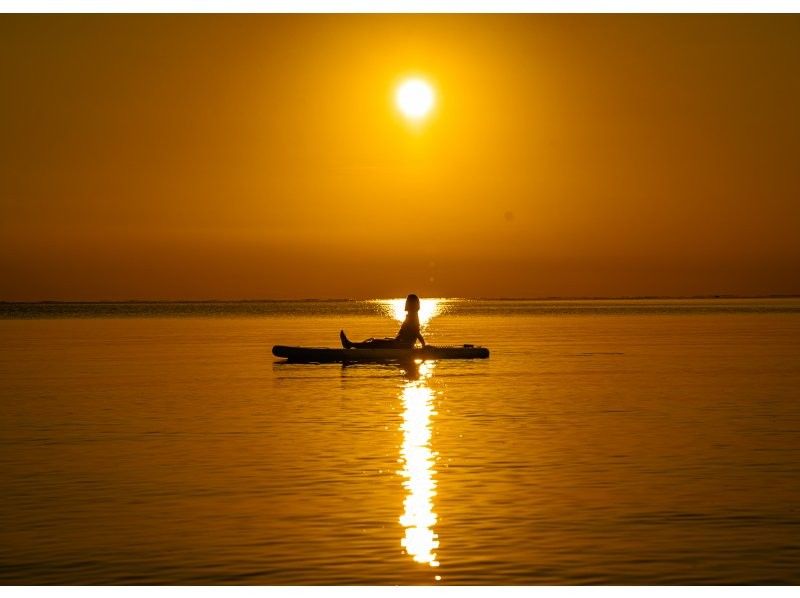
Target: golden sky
[(262, 156)]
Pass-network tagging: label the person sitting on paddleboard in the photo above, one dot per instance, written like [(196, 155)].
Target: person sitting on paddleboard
[(405, 339)]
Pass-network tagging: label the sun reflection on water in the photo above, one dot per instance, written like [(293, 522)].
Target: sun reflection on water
[(395, 308), (420, 541)]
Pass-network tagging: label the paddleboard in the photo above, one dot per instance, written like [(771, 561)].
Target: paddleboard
[(330, 355)]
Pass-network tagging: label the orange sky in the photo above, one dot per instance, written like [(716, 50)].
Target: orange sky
[(260, 156)]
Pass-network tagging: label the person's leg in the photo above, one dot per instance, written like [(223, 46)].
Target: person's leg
[(374, 343), (346, 343)]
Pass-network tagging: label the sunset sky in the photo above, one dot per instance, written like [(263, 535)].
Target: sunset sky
[(263, 156)]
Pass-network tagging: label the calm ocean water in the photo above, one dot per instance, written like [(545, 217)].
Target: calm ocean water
[(604, 442)]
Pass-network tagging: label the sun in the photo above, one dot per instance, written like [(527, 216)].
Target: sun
[(415, 98)]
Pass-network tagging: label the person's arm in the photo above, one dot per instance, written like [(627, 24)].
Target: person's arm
[(419, 336)]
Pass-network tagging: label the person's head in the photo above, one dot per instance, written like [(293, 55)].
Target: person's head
[(412, 303)]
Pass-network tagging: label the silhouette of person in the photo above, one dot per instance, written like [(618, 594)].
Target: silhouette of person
[(406, 337)]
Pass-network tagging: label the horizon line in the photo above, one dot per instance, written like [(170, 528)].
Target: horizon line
[(341, 299)]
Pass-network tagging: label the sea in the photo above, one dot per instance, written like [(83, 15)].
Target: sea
[(603, 442)]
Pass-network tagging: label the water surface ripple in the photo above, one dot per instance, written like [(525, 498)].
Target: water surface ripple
[(620, 442)]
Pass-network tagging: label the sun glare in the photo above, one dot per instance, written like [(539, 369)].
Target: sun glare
[(415, 98), (428, 309)]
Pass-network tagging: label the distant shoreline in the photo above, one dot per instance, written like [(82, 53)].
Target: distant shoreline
[(335, 300)]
